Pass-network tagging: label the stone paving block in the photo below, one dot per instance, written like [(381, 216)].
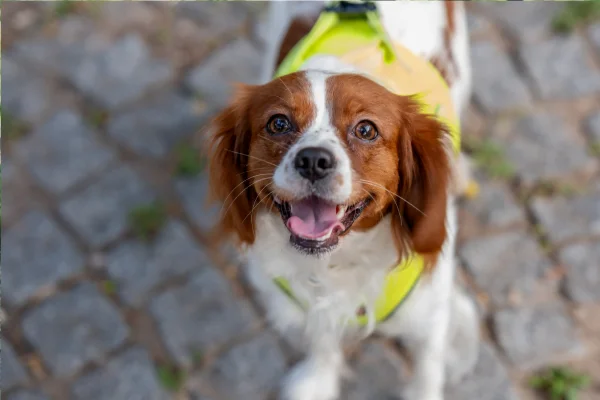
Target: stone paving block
[(194, 194), (249, 371), (54, 56), (497, 85), (378, 374), (99, 213), (74, 328), (26, 96), (154, 128), (582, 262), (560, 68), (540, 147), (526, 22), (120, 74), (128, 376), (593, 128), (504, 264), (593, 32), (63, 152), (27, 395), (489, 380), (239, 61), (13, 373), (204, 313), (215, 19), (495, 206), (567, 218), (37, 254), (477, 24), (16, 192), (531, 336), (138, 267)]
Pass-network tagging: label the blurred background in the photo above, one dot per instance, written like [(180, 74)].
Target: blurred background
[(111, 287)]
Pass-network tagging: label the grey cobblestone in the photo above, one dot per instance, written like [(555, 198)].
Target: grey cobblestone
[(235, 375), (119, 75), (16, 189), (99, 213), (138, 267), (215, 19), (74, 328), (526, 22), (477, 24), (13, 373), (567, 218), (378, 373), (505, 264), (129, 376), (488, 381), (63, 152), (495, 206), (582, 262), (594, 34), (202, 314), (25, 95), (153, 129), (37, 254), (593, 128), (27, 395), (496, 84), (532, 335), (194, 195), (560, 68), (239, 61), (537, 155)]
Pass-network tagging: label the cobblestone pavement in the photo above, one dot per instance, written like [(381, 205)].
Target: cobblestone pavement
[(100, 102)]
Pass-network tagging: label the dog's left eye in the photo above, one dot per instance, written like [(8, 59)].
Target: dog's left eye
[(279, 124), (366, 131)]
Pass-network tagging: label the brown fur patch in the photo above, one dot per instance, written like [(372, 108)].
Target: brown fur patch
[(406, 170), (244, 156)]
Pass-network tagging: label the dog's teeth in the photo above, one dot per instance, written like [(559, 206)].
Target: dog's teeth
[(277, 199), (340, 211)]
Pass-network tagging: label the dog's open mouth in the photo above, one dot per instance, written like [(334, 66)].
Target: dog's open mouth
[(316, 224)]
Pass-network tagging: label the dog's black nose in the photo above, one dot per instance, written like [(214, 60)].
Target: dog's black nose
[(314, 163)]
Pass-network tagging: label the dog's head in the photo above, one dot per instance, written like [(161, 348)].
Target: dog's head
[(332, 154)]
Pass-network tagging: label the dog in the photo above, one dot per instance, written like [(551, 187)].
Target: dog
[(342, 195)]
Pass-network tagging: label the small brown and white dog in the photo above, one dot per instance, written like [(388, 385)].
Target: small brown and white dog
[(328, 180)]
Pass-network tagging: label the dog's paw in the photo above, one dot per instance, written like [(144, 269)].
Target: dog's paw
[(308, 381)]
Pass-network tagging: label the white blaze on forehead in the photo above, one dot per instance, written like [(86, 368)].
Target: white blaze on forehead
[(318, 89), (320, 132)]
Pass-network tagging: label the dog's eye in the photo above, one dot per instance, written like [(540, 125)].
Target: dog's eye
[(279, 124), (366, 131)]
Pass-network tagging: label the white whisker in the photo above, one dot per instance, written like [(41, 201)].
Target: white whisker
[(393, 194)]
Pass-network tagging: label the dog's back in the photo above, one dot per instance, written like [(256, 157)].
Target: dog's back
[(436, 31)]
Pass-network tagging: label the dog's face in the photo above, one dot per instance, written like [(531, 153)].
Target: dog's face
[(331, 154)]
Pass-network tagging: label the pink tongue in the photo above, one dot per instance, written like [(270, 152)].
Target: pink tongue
[(312, 218)]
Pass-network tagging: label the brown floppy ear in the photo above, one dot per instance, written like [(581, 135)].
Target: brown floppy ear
[(230, 135), (424, 171)]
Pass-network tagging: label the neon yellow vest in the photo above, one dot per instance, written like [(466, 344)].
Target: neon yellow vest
[(360, 40)]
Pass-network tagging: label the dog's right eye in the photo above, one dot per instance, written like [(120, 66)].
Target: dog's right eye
[(279, 124)]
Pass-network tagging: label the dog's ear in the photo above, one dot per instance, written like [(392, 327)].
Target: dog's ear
[(230, 135), (425, 175)]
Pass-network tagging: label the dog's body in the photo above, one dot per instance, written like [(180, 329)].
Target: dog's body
[(436, 322)]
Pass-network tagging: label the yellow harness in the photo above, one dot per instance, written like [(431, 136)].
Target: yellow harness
[(358, 38)]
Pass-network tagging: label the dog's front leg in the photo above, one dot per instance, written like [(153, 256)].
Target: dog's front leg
[(318, 376), (428, 353)]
